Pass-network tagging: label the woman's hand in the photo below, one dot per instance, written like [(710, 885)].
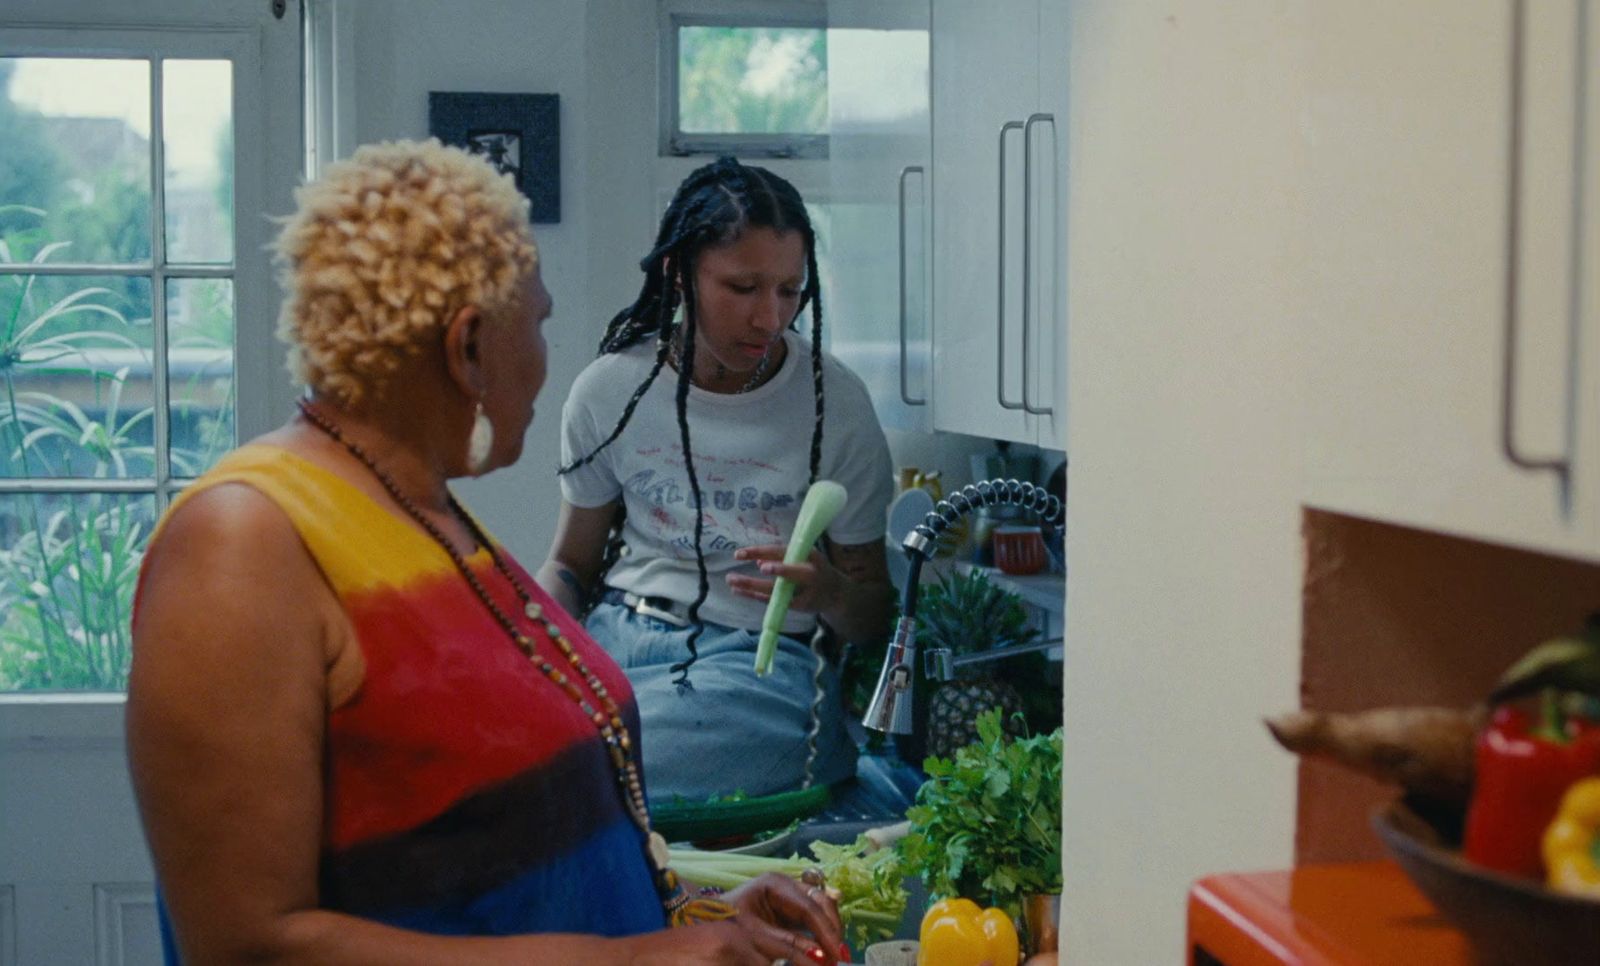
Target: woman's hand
[(783, 904), (746, 940), (818, 585), (848, 587)]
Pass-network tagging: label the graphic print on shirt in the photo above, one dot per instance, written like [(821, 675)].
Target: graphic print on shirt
[(734, 517)]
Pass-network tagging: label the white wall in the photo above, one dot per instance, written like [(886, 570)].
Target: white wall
[(621, 168), (403, 49), (1183, 602)]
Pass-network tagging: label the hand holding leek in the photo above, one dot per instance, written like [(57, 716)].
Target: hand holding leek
[(822, 503)]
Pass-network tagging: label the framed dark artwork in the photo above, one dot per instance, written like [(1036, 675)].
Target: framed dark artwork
[(519, 134)]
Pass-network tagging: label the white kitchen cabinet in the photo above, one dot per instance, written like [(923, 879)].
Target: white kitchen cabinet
[(877, 219), (1049, 358), (1454, 382), (998, 219)]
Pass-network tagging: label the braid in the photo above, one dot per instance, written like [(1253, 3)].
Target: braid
[(789, 212), (812, 287), (712, 206), (662, 352), (685, 371), (636, 322)]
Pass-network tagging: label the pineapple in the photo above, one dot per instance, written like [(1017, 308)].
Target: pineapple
[(967, 613), (953, 712)]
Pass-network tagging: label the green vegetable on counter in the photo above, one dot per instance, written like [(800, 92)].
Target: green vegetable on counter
[(987, 825), (865, 881), (871, 886), (822, 503)]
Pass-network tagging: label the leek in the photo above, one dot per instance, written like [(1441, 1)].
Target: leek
[(822, 503)]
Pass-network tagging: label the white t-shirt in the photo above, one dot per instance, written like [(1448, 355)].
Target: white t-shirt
[(751, 454)]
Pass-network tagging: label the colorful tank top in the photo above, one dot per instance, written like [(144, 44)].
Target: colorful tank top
[(465, 794)]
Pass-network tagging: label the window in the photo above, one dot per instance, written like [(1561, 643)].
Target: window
[(746, 79), (119, 291), (116, 340)]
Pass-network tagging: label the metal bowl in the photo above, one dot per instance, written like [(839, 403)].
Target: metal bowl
[(1506, 920)]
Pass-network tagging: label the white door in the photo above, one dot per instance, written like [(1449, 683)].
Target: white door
[(1451, 383), (878, 133), (142, 145), (985, 86)]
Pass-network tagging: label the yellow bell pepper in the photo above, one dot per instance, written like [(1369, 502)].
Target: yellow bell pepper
[(1569, 842), (955, 932)]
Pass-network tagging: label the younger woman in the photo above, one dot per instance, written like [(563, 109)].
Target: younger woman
[(688, 448)]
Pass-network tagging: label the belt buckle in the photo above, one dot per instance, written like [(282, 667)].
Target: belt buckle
[(643, 608)]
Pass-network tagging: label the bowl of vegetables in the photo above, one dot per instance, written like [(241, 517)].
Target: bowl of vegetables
[(1507, 919), (1499, 823)]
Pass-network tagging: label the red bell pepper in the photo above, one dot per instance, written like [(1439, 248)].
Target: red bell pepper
[(1523, 768)]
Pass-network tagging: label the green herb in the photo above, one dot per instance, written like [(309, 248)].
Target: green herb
[(987, 825), (871, 884), (869, 881)]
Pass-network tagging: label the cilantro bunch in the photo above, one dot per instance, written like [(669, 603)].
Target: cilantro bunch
[(987, 825)]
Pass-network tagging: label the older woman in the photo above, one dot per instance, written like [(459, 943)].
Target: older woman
[(359, 731)]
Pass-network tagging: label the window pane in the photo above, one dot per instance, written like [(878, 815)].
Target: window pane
[(878, 81), (197, 147), (199, 372), (75, 163), (68, 565), (75, 361), (752, 80)]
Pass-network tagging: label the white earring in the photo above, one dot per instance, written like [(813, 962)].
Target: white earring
[(480, 442)]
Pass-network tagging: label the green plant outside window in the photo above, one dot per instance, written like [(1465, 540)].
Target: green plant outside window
[(99, 427)]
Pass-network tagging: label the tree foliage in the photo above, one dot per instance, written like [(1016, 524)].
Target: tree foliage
[(753, 80)]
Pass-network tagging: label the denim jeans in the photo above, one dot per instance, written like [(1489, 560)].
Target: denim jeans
[(732, 730)]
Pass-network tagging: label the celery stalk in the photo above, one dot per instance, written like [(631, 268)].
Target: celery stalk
[(822, 503), (728, 871)]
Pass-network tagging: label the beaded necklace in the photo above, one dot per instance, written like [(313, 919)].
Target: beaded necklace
[(756, 376), (607, 720)]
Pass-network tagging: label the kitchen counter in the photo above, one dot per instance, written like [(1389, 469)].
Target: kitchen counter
[(1365, 913)]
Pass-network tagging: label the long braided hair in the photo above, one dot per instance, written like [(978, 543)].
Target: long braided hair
[(712, 207)]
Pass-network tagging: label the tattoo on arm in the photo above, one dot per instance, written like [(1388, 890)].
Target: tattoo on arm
[(579, 592), (863, 563), (869, 603)]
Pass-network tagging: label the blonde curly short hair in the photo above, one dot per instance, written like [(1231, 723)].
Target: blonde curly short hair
[(384, 249)]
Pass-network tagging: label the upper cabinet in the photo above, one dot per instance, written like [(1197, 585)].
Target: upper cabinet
[(1453, 295), (999, 176), (877, 220)]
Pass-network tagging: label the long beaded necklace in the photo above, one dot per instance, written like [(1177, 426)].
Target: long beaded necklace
[(607, 720)]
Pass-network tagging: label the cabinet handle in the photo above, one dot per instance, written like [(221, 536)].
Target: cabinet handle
[(1562, 467), (1000, 347), (1027, 259), (905, 391)]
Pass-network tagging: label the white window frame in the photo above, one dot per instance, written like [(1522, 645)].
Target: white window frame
[(674, 14), (329, 44), (76, 883), (180, 29)]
